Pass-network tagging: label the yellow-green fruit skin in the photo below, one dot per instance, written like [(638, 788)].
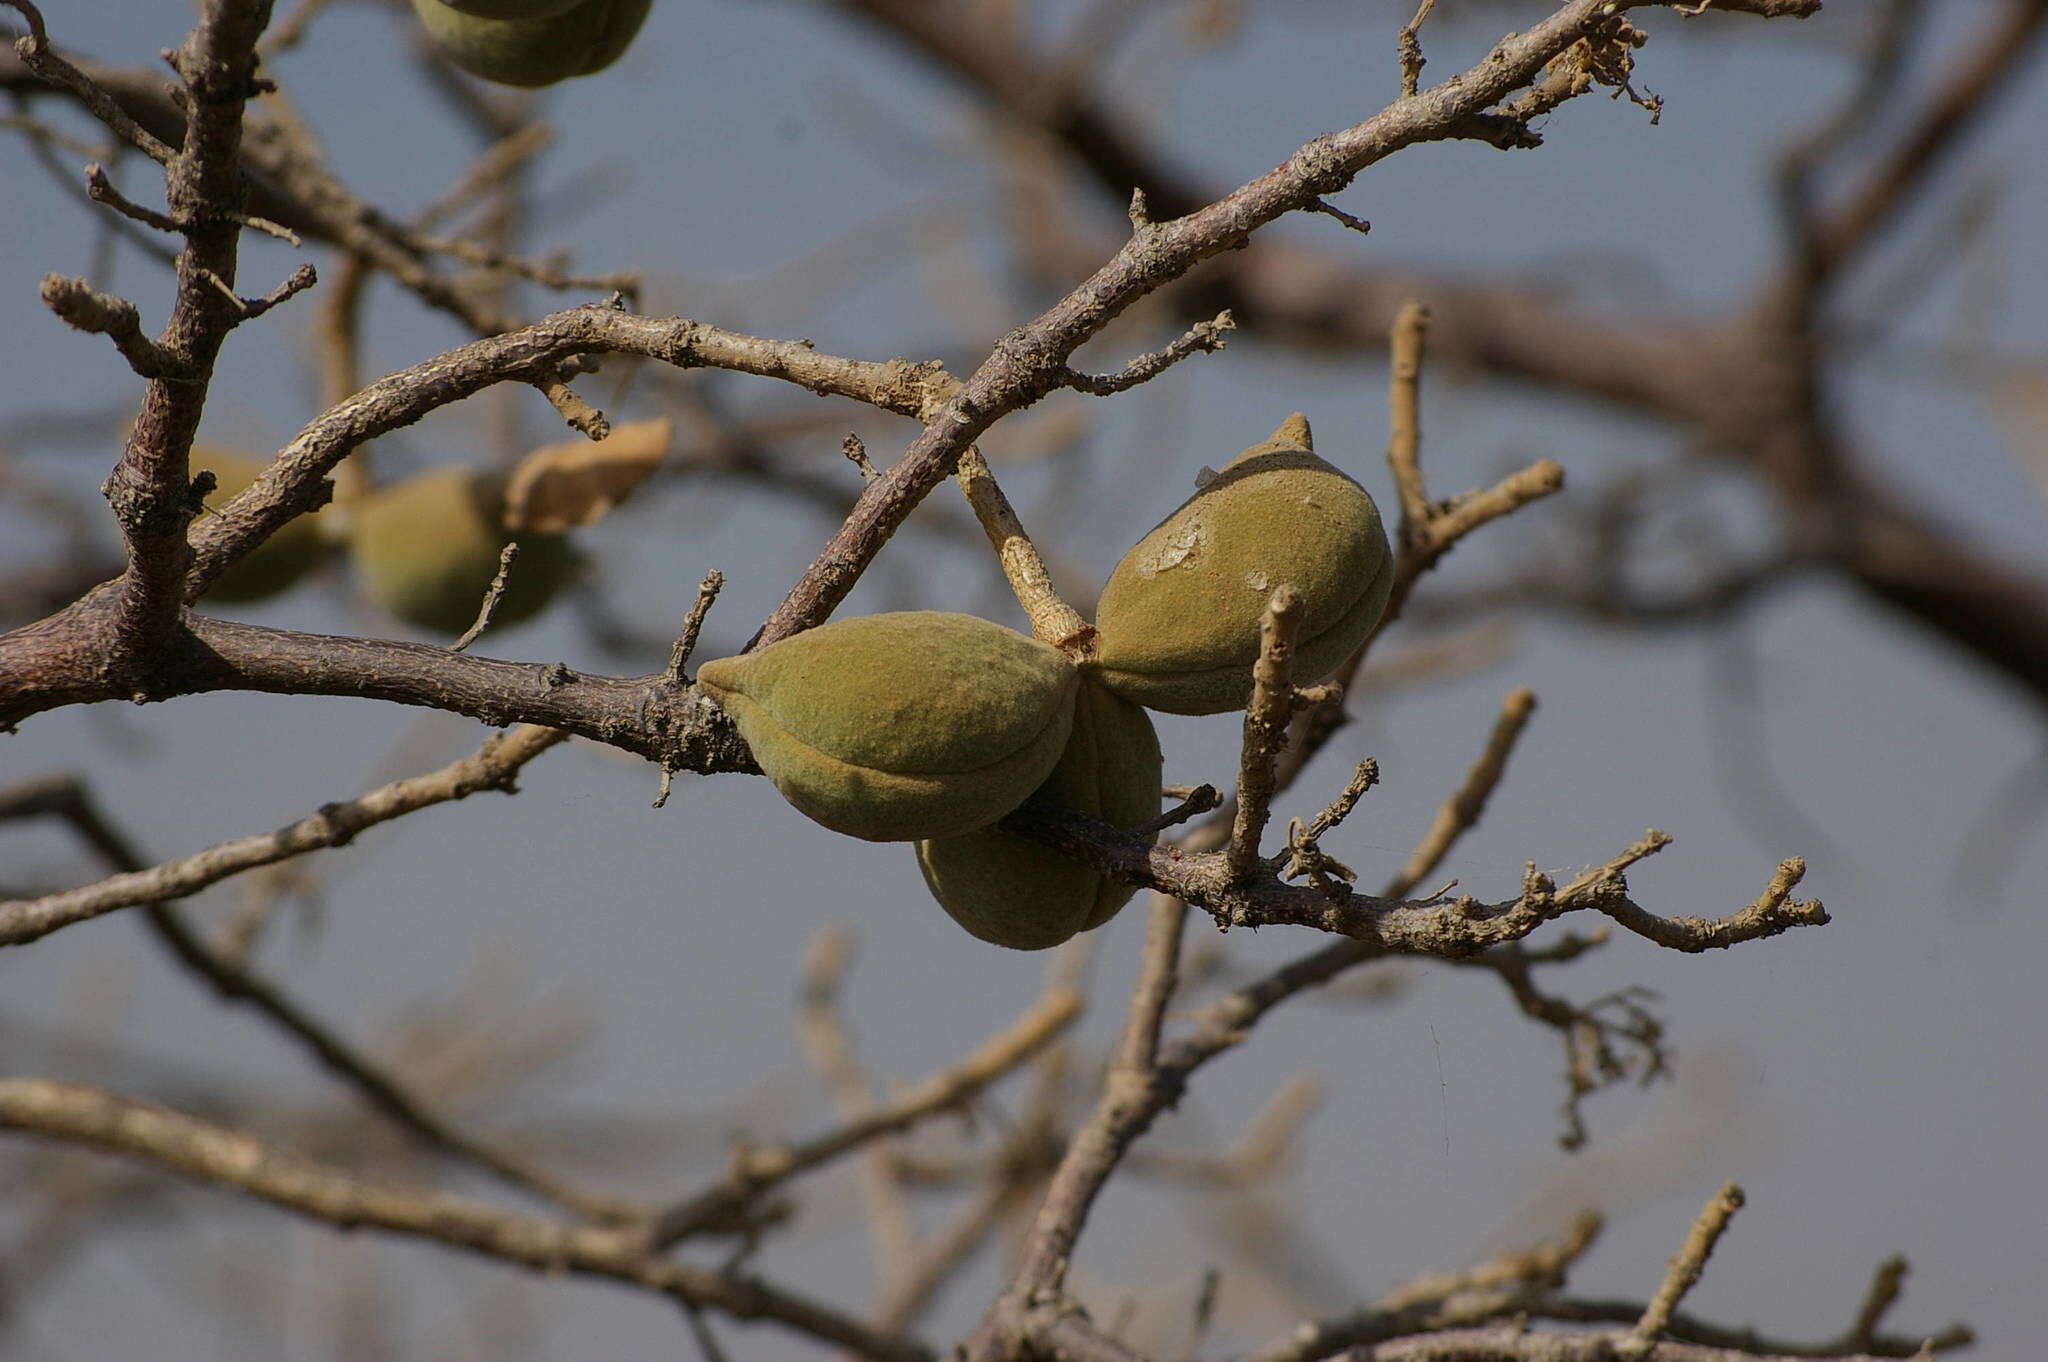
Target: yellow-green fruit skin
[(426, 549), (1015, 893), (893, 727), (531, 52), (275, 565), (513, 9), (1179, 617)]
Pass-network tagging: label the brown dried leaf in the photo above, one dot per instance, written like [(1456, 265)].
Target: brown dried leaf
[(2019, 401), (562, 486)]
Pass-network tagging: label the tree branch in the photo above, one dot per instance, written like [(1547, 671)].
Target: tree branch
[(229, 1158), (1029, 362), (492, 768), (757, 1170)]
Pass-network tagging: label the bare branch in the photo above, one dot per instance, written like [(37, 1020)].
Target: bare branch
[(1462, 811), (229, 1158), (693, 624), (1265, 727), (1410, 47), (1204, 338), (581, 417), (1493, 1289), (1031, 360), (1514, 1343), (68, 798), (755, 1171), (34, 51), (1404, 412), (1747, 1342), (1052, 619), (381, 1089), (492, 768), (101, 190), (82, 306), (507, 556), (1683, 1273), (1200, 800)]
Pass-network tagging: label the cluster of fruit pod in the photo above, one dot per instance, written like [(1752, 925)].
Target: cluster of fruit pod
[(531, 42), (425, 548), (929, 727)]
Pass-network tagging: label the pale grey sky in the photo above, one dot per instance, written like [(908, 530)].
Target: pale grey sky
[(1877, 1085)]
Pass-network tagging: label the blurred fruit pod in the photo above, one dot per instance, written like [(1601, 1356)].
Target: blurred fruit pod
[(426, 549), (279, 562), (532, 43)]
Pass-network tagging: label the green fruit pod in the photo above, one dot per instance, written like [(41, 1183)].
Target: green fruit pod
[(1015, 893), (278, 562), (1179, 618), (899, 726), (426, 549), (513, 9), (533, 51)]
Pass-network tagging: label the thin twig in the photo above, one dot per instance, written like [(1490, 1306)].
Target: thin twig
[(496, 593), (829, 1045), (232, 1159), (1684, 1271), (757, 1170), (1410, 47), (1265, 727), (81, 305), (581, 417), (100, 189), (1331, 210), (1404, 409), (1203, 338), (1462, 810), (1052, 619), (1200, 800), (1444, 1300), (492, 768), (693, 624), (1886, 1284), (36, 54), (381, 1089)]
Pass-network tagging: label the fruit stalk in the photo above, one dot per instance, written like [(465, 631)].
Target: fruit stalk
[(1052, 619)]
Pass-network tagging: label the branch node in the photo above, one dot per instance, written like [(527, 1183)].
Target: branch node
[(856, 451)]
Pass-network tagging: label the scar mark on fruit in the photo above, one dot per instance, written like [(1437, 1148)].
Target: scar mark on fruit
[(1184, 545)]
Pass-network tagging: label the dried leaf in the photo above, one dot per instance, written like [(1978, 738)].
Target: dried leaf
[(2019, 401), (562, 486)]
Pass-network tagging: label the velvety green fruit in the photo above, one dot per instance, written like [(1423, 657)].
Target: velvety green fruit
[(534, 51), (276, 564), (427, 548), (513, 9), (1179, 618), (900, 726), (1016, 893)]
